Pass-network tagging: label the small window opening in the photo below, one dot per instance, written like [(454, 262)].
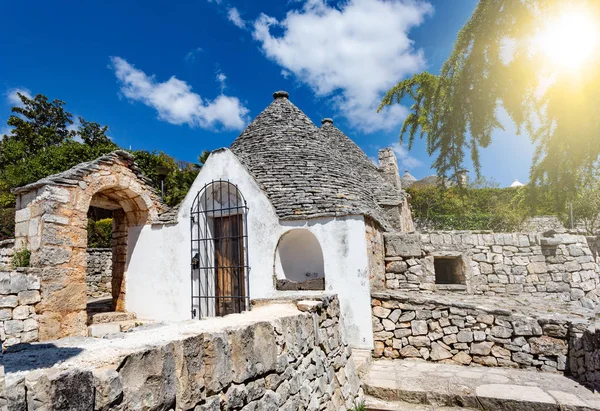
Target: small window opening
[(448, 270), (299, 262)]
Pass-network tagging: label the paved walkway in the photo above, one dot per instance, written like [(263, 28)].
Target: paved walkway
[(486, 388)]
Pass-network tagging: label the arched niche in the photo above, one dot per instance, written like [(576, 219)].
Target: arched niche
[(299, 261)]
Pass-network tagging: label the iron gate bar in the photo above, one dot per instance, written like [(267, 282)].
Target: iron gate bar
[(233, 279)]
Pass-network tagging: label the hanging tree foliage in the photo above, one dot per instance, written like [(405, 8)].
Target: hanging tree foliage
[(498, 62)]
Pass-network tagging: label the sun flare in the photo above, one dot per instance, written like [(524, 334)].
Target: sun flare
[(570, 39)]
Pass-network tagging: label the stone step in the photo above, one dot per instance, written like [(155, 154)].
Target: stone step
[(362, 360), (444, 385), (375, 404), (102, 330), (110, 317)]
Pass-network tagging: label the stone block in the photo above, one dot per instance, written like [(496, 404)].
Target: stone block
[(9, 301), (30, 324), (29, 297), (548, 346), (421, 341), (409, 352), (396, 267), (462, 358), (465, 336), (71, 389), (149, 379), (5, 314), (482, 348), (485, 319), (13, 327), (21, 312), (250, 355), (419, 327), (381, 312), (102, 330), (439, 353), (4, 283), (403, 245), (537, 268)]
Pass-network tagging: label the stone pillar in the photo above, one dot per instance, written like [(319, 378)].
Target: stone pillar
[(119, 256), (56, 236), (389, 165)]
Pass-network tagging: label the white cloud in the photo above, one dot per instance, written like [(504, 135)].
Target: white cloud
[(405, 160), (190, 57), (175, 101), (221, 78), (234, 16), (13, 99), (354, 53)]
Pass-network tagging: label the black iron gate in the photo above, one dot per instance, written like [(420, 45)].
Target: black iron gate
[(219, 251)]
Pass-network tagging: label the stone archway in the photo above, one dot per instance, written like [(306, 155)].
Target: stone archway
[(51, 221)]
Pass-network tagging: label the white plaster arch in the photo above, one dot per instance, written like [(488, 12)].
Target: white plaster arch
[(299, 256)]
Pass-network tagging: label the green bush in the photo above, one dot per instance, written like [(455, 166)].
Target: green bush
[(7, 223), (21, 258), (100, 233), (488, 208)]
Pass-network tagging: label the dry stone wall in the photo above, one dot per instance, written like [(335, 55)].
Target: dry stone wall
[(19, 295), (558, 264), (457, 333), (275, 357), (584, 355), (99, 272), (6, 252)]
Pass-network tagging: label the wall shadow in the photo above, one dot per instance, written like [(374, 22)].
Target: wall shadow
[(27, 357)]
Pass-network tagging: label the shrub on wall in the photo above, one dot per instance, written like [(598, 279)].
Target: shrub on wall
[(21, 258)]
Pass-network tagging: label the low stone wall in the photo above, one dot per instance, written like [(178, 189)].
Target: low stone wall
[(559, 264), (584, 355), (99, 272), (405, 326), (19, 295), (275, 357)]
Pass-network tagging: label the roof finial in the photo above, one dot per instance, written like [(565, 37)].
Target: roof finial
[(327, 121), (280, 94)]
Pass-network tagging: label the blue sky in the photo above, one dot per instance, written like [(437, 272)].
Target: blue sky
[(188, 77)]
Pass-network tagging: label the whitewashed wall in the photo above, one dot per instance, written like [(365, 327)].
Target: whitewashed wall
[(158, 270)]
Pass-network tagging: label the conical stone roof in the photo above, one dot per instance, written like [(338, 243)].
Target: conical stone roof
[(309, 172)]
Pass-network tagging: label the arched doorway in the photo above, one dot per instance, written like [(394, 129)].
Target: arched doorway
[(219, 251), (126, 209)]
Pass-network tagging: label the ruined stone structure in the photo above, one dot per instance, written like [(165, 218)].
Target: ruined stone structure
[(554, 265), (277, 357), (99, 273), (51, 222)]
